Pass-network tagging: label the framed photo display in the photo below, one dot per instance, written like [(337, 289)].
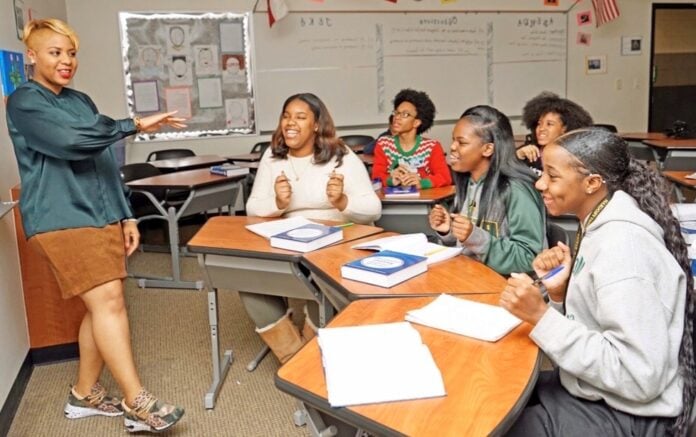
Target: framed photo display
[(199, 64)]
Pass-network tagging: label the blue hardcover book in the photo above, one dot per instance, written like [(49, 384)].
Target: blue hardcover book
[(385, 269), (307, 237), (410, 191), (228, 170)]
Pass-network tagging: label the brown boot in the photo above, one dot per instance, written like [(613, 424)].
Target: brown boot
[(309, 330), (282, 336)]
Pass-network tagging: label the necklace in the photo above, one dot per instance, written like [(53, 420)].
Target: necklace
[(303, 170)]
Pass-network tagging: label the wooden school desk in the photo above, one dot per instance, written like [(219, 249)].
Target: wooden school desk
[(188, 163), (638, 149), (666, 147), (245, 157), (410, 214), (206, 191), (679, 178), (235, 258), (457, 275), (487, 384)]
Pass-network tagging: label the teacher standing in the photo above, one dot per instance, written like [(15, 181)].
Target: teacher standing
[(75, 214)]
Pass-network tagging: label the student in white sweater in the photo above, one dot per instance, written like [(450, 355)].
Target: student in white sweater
[(307, 171), (619, 324)]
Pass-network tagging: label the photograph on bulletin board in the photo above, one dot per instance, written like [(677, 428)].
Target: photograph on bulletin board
[(198, 64)]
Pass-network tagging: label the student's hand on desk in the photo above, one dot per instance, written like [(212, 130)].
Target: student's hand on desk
[(411, 179), (549, 259), (439, 219), (396, 175), (283, 191), (153, 123), (530, 152), (131, 236), (522, 299), (461, 227), (334, 191)]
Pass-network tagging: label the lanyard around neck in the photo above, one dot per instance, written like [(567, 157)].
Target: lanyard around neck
[(579, 235), (592, 217)]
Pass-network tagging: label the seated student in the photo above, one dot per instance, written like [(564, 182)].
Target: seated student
[(497, 216), (549, 116), (619, 323), (307, 171), (407, 158), (369, 148)]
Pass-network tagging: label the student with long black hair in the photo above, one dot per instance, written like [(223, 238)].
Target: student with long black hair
[(497, 215), (620, 322)]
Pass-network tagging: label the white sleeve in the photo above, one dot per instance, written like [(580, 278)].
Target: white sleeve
[(261, 201), (363, 204)]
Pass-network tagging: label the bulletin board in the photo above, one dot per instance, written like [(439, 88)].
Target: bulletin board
[(199, 64)]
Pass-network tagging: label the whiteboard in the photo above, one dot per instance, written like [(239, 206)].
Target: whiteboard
[(357, 62)]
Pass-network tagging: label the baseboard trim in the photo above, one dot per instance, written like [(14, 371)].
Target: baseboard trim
[(14, 397), (54, 354)]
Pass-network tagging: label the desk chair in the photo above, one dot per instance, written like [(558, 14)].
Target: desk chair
[(680, 160), (169, 154), (555, 233), (141, 205), (260, 147), (143, 208), (609, 127), (356, 140)]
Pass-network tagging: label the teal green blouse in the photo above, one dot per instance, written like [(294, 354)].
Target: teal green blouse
[(67, 168)]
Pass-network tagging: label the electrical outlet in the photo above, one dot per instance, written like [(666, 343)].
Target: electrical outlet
[(636, 83), (619, 84)]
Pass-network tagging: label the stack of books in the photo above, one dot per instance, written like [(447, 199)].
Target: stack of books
[(377, 363), (229, 170)]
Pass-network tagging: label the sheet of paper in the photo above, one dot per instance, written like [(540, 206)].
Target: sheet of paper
[(268, 229), (413, 244), (465, 317), (377, 363)]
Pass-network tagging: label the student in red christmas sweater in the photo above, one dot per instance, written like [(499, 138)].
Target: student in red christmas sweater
[(407, 158)]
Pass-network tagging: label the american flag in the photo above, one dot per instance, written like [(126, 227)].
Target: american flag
[(605, 11)]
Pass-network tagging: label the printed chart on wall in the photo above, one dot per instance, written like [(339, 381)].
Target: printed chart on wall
[(198, 64), (357, 62)]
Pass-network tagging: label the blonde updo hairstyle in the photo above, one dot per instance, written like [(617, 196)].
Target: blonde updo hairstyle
[(35, 27)]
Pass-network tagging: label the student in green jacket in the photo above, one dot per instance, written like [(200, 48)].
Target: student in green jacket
[(76, 215), (497, 216)]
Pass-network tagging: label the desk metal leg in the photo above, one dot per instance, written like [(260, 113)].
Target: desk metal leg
[(175, 281), (221, 365), (306, 415)]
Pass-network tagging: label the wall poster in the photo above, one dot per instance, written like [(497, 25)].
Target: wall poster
[(199, 64)]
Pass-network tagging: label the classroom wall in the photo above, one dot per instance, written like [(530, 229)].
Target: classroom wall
[(14, 337), (618, 97)]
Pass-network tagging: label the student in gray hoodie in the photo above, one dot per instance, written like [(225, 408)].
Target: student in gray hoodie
[(619, 323)]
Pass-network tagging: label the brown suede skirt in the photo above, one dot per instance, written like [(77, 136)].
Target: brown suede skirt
[(83, 258)]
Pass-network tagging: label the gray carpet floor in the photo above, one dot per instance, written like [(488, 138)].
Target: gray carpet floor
[(171, 342)]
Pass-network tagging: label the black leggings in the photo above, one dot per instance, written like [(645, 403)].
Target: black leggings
[(553, 411)]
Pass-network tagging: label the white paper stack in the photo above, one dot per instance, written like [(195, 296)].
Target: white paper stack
[(465, 317), (377, 363)]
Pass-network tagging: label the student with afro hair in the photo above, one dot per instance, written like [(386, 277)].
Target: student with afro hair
[(549, 116), (407, 158)]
